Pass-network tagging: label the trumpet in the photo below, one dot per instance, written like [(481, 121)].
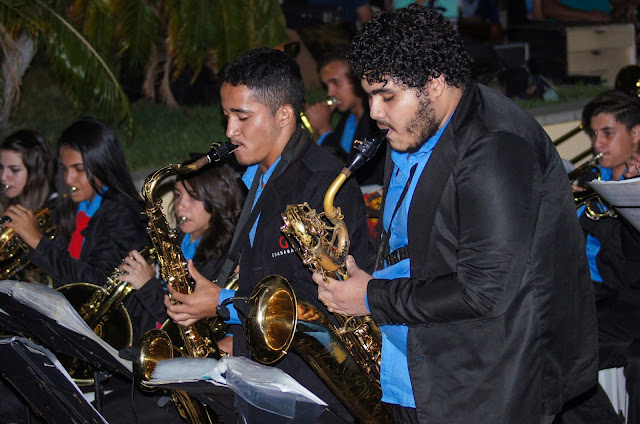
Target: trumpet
[(305, 121), (14, 252), (595, 207)]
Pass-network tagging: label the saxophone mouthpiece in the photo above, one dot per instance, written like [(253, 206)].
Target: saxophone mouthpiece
[(363, 151), (4, 189), (220, 151), (181, 220)]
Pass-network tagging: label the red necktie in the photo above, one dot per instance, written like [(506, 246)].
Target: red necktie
[(77, 239)]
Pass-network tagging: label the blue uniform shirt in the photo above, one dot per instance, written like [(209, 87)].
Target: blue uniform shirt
[(394, 369)]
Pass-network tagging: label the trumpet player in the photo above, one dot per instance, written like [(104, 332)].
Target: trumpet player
[(261, 96), (486, 317), (26, 170), (613, 122), (347, 99)]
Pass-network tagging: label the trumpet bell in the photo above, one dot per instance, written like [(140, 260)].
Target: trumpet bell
[(271, 324)]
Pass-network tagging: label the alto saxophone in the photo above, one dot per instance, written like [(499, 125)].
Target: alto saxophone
[(346, 357), (102, 309), (196, 340)]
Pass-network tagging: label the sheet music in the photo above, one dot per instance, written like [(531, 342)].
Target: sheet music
[(268, 388), (623, 196), (37, 350), (54, 305)]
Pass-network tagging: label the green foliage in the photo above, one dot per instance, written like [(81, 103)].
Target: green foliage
[(86, 78), (89, 42)]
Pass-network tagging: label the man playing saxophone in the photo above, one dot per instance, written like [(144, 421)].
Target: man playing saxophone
[(482, 294), (261, 96)]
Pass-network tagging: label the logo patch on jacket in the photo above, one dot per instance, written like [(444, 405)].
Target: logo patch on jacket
[(285, 248)]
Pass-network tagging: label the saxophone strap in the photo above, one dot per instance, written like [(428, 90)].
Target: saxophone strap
[(383, 251), (247, 217)]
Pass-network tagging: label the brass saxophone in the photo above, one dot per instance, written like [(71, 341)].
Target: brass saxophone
[(196, 340), (345, 357), (102, 309)]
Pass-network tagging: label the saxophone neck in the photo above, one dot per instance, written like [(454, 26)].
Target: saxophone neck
[(361, 152), (331, 212)]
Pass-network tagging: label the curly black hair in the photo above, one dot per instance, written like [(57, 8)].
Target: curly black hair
[(272, 75), (410, 46)]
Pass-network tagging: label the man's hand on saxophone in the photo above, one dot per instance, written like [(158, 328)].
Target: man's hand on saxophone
[(345, 297), (193, 307)]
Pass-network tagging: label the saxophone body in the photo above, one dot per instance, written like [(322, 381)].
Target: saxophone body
[(102, 309), (345, 356), (197, 340)]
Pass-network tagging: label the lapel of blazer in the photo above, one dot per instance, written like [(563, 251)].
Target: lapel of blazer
[(295, 147)]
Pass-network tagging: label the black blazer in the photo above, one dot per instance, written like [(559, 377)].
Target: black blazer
[(147, 304), (499, 303), (304, 174), (116, 228)]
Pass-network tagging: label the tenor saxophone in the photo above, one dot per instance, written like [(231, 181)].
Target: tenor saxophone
[(346, 357), (196, 340)]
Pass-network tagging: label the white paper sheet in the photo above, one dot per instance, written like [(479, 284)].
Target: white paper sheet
[(623, 196)]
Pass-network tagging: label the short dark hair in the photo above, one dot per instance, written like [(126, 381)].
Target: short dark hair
[(340, 54), (37, 156), (273, 77), (410, 46), (624, 107), (217, 187)]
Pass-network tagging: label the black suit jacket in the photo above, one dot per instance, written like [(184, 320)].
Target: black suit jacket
[(499, 303), (116, 228), (304, 174)]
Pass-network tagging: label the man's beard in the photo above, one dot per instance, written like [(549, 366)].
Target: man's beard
[(423, 124)]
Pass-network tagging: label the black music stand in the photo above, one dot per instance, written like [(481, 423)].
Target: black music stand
[(39, 377), (27, 311), (36, 311), (262, 393)]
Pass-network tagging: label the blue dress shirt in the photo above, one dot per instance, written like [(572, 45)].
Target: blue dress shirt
[(394, 369)]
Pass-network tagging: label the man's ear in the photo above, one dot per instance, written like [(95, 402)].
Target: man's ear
[(436, 86), (285, 115), (635, 134)]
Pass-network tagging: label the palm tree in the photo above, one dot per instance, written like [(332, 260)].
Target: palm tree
[(89, 43)]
